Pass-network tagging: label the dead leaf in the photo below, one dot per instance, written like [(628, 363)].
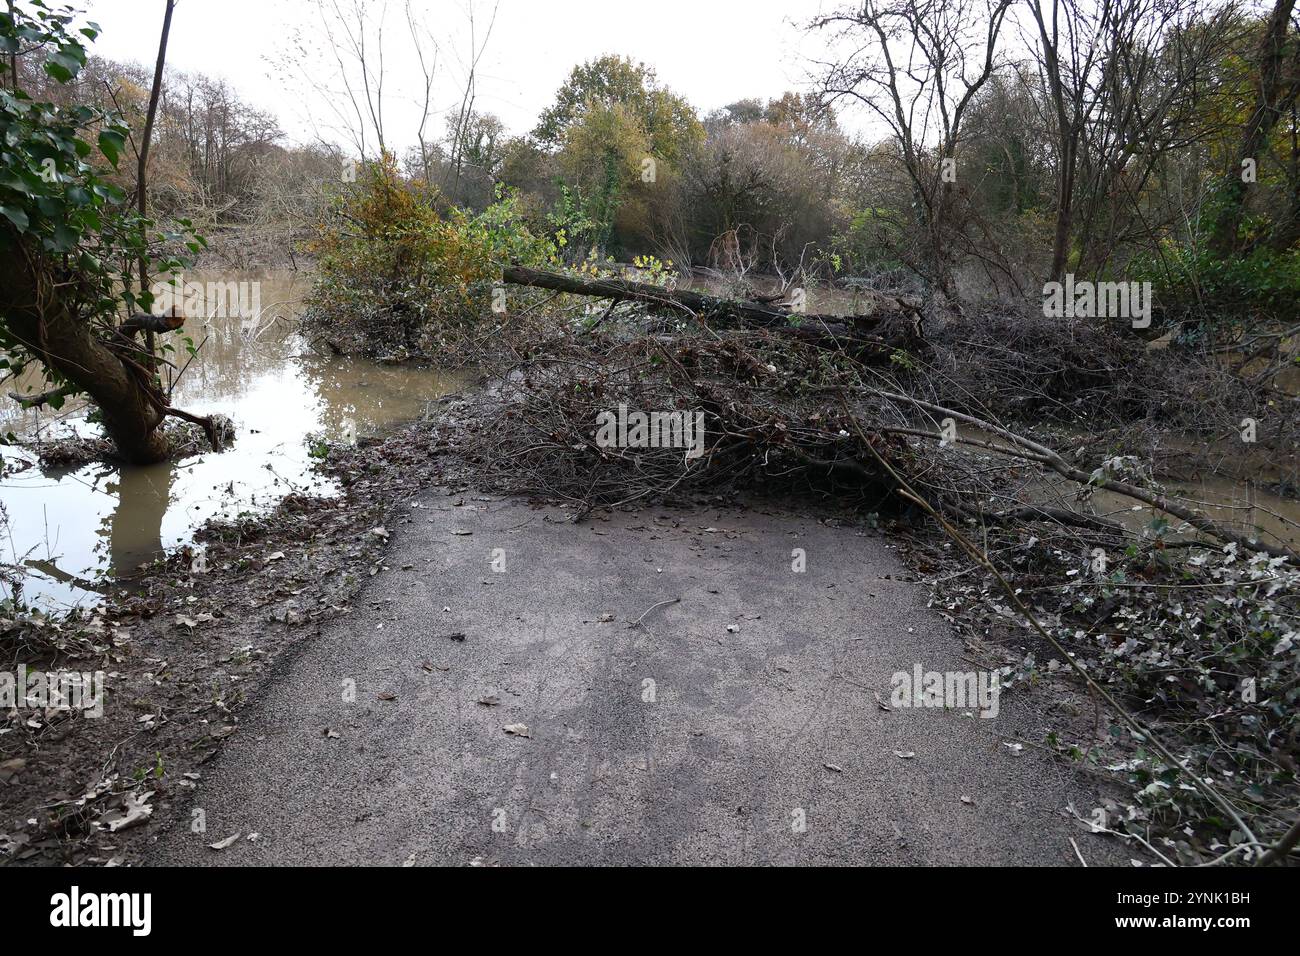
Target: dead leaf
[(905, 754), (387, 695), (222, 844), (833, 766), (132, 813), (491, 700), (517, 730)]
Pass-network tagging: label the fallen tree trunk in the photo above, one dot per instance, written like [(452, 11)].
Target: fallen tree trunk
[(895, 325)]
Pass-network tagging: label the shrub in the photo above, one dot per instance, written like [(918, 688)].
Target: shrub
[(397, 279), (1190, 279)]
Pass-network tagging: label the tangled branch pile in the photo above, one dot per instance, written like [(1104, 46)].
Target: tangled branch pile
[(768, 406), (1128, 394)]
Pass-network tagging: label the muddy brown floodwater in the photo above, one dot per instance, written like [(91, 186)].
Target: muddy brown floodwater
[(1242, 503), (69, 530)]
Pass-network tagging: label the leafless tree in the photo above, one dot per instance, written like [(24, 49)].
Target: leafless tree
[(422, 38), (1125, 80), (917, 65)]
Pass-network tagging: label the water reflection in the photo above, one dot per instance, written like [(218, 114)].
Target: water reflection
[(134, 529), (71, 528)]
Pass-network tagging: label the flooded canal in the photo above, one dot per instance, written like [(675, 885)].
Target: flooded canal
[(65, 530)]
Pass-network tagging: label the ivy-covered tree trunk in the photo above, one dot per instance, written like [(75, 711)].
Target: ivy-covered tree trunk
[(1272, 89), (68, 345), (68, 241)]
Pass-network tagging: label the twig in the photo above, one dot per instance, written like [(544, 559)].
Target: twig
[(1078, 854), (638, 621)]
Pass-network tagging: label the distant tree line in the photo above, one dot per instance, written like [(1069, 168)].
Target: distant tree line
[(1017, 140)]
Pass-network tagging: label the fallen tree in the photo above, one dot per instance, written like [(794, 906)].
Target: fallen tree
[(799, 423), (896, 325), (1167, 631)]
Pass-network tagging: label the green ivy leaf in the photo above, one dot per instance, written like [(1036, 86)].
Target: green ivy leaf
[(65, 237), (58, 69), (111, 144), (15, 215), (109, 192)]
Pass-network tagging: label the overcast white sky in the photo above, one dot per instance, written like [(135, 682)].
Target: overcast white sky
[(711, 51)]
